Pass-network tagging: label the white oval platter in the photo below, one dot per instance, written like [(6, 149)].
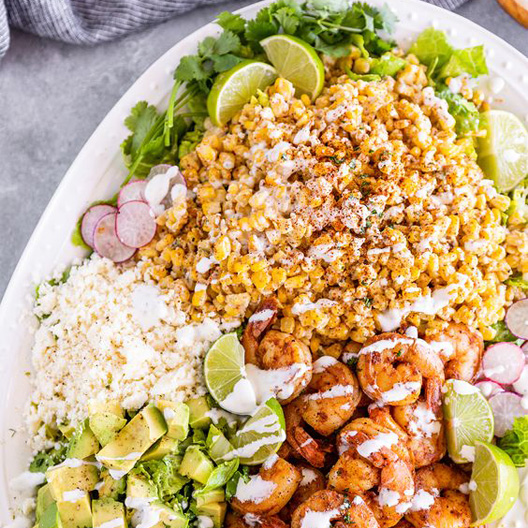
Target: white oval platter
[(98, 170)]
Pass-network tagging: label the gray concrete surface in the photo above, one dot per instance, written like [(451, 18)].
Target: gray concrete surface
[(53, 95)]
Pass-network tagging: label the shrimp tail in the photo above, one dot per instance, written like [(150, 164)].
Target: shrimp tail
[(309, 448), (433, 393), (263, 319)]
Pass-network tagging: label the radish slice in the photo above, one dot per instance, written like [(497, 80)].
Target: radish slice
[(135, 225), (517, 319), (132, 192), (164, 184), (506, 407), (106, 242), (503, 363), (521, 385), (91, 218), (489, 388), (524, 347)]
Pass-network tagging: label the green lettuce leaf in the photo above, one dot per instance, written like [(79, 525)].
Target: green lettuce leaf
[(517, 281), (220, 476), (164, 473), (469, 60), (431, 45), (387, 64), (515, 441), (466, 114)]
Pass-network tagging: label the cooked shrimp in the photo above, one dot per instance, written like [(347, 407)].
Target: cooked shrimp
[(261, 320), (460, 348), (269, 491), (438, 501), (234, 520), (392, 368), (312, 450), (328, 508), (353, 474), (425, 430), (312, 480), (332, 396), (282, 365)]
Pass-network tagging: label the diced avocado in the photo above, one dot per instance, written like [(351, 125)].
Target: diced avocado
[(169, 517), (217, 444), (50, 517), (76, 514), (177, 418), (215, 511), (83, 443), (44, 501), (67, 430), (107, 406), (140, 487), (63, 479), (216, 495), (121, 454), (110, 487), (105, 426), (108, 511), (196, 465), (198, 410), (164, 446)]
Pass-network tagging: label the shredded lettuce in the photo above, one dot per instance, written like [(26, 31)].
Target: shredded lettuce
[(387, 64), (519, 203), (515, 441), (432, 46), (46, 459), (164, 474), (469, 60), (502, 333), (466, 114)]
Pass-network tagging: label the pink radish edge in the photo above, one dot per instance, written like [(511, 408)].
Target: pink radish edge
[(503, 363), (106, 242), (506, 406), (135, 224), (489, 388), (90, 220), (517, 319), (132, 191)]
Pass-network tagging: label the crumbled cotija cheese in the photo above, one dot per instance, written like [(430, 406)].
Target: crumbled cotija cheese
[(105, 334)]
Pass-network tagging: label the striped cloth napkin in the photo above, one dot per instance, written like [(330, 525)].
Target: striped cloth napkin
[(93, 21)]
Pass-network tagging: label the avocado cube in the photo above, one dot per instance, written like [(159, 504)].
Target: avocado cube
[(109, 487), (140, 487), (83, 442), (44, 501), (198, 413), (122, 453), (177, 417), (169, 517), (217, 444), (76, 514), (108, 511), (164, 446), (64, 479), (196, 465), (50, 517), (67, 430), (105, 426), (216, 495), (107, 406), (215, 511)]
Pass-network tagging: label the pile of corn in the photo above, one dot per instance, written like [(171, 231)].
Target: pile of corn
[(345, 207)]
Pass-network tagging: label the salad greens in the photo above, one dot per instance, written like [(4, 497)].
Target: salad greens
[(515, 441), (517, 281), (519, 202)]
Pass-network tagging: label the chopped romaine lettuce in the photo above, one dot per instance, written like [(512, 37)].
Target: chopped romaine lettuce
[(518, 281), (231, 486), (515, 441), (387, 64), (432, 45), (519, 203), (466, 114), (46, 459), (469, 60), (502, 333), (164, 474), (220, 476)]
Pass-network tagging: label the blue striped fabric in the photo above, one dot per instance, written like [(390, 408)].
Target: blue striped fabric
[(93, 21)]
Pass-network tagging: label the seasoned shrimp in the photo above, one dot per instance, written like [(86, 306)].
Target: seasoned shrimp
[(353, 474), (392, 368), (269, 491), (304, 445), (460, 348), (332, 396), (438, 501), (328, 508), (312, 480), (282, 365), (425, 430), (263, 318), (235, 520)]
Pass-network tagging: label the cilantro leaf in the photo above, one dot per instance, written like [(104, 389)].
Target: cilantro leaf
[(232, 22), (432, 44), (190, 69), (515, 441), (141, 119), (225, 62), (469, 60), (227, 42)]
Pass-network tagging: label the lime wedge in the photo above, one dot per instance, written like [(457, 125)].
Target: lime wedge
[(234, 88), (261, 436), (494, 484), (469, 419), (296, 61), (503, 152), (225, 376)]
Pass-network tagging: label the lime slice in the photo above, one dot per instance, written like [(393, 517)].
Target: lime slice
[(503, 153), (494, 484), (469, 419), (225, 376), (261, 436), (296, 61), (234, 88)]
